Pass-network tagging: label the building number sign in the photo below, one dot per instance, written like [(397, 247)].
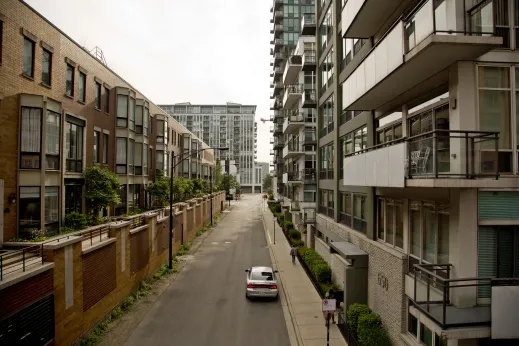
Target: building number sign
[(383, 281)]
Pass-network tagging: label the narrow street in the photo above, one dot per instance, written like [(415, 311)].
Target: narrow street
[(206, 305)]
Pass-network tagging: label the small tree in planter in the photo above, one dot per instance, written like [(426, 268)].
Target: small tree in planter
[(102, 189), (159, 189)]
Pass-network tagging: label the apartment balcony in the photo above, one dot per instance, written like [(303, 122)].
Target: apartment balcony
[(278, 44), (278, 15), (292, 69), (309, 215), (293, 149), (278, 57), (293, 123), (278, 71), (295, 205), (293, 94), (456, 304), (278, 4), (278, 86), (309, 60), (271, 37), (363, 18), (310, 137), (293, 177), (272, 151), (272, 71), (308, 24), (278, 129), (309, 98), (413, 57), (278, 114), (440, 158), (278, 29), (279, 143)]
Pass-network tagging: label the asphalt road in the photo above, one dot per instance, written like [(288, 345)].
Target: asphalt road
[(206, 306)]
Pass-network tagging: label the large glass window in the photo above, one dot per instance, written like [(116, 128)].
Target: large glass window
[(131, 112), (73, 198), (46, 67), (327, 71), (96, 147), (160, 131), (352, 209), (30, 210), (74, 147), (145, 160), (428, 233), (107, 100), (326, 161), (105, 148), (326, 117), (82, 87), (495, 110), (389, 128), (138, 119), (97, 102), (326, 28), (69, 84), (53, 134), (390, 222), (122, 111), (28, 57), (131, 157), (30, 142), (137, 160), (51, 210), (160, 160), (121, 155), (326, 206), (145, 120)]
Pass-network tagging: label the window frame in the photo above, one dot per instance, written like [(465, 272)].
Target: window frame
[(120, 167), (22, 152), (33, 53), (82, 87), (106, 100), (79, 148), (105, 148), (72, 81), (58, 155), (50, 67), (382, 205), (38, 210), (54, 222), (122, 119), (97, 99), (96, 144)]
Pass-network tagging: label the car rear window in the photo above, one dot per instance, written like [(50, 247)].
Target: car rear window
[(265, 276)]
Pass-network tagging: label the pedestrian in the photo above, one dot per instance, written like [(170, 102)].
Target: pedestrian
[(293, 253), (330, 295)]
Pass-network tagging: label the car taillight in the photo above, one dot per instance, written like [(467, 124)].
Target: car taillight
[(250, 286), (273, 287)]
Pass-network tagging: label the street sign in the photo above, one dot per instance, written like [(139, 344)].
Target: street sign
[(275, 219), (329, 305)]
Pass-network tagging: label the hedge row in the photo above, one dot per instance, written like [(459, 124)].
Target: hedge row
[(366, 326)]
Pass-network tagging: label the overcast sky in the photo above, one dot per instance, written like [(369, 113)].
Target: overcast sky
[(198, 51)]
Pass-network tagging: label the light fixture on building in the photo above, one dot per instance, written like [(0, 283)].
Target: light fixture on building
[(12, 198)]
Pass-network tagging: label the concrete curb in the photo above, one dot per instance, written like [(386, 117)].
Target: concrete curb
[(291, 313)]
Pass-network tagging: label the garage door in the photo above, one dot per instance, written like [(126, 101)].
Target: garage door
[(33, 325)]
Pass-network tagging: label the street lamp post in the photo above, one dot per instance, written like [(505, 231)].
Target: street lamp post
[(171, 216), (211, 191)]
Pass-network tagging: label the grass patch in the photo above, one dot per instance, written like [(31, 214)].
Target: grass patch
[(184, 249), (126, 305)]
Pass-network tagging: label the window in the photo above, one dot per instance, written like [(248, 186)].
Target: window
[(137, 159), (74, 145), (309, 192), (1, 39), (96, 146), (121, 155), (122, 111), (131, 147), (98, 96), (350, 49), (107, 100), (138, 119), (326, 117), (82, 87), (327, 71), (428, 233), (326, 28), (160, 131), (73, 198), (145, 120), (51, 210), (29, 209), (352, 210), (132, 113), (105, 148), (326, 162), (121, 207), (53, 135), (326, 202), (28, 57), (390, 222), (46, 67), (495, 112), (70, 81), (160, 160), (145, 159), (389, 128), (345, 148), (30, 142)]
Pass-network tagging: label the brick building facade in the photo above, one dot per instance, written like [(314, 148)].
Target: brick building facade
[(62, 110)]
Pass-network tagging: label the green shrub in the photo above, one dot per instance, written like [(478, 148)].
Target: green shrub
[(127, 303), (65, 230), (294, 234), (288, 225), (76, 221), (271, 197), (322, 272), (277, 208), (355, 311), (297, 243), (371, 332)]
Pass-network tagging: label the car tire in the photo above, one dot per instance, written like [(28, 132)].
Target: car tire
[(276, 298)]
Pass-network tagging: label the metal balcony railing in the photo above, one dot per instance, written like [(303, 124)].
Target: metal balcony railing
[(438, 283), (309, 57), (295, 146), (294, 88)]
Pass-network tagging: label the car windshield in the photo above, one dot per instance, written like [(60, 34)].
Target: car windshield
[(264, 276)]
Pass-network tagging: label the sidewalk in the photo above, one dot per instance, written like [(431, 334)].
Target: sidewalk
[(301, 303)]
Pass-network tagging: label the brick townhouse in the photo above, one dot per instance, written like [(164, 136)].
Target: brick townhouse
[(62, 109)]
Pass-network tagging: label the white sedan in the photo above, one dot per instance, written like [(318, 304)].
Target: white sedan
[(261, 282)]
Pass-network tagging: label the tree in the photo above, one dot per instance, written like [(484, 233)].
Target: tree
[(198, 185), (267, 183), (159, 189), (228, 182), (218, 174), (102, 189)]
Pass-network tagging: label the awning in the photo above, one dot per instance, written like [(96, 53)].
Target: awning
[(350, 252)]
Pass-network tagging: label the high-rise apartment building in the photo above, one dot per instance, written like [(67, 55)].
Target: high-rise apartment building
[(230, 126), (418, 139), (291, 82), (62, 109)]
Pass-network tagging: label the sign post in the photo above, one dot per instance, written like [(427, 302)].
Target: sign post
[(329, 306), (275, 219)]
